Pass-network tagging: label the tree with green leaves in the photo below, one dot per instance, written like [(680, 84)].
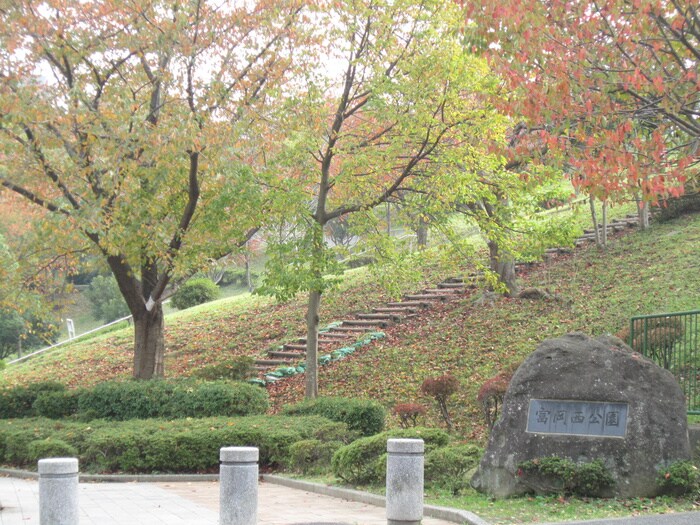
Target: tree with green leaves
[(403, 109), (124, 121)]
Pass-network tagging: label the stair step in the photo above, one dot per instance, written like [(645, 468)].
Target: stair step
[(418, 304), (441, 291), (426, 297), (370, 323), (271, 362), (293, 347), (396, 309), (326, 335), (383, 316), (321, 341), (451, 286), (279, 354), (352, 329), (454, 280)]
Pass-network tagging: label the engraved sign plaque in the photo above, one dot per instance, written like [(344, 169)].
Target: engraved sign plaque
[(577, 418)]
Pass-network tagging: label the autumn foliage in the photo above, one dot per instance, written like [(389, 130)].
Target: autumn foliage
[(441, 388)]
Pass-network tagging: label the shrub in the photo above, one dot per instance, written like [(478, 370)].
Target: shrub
[(107, 302), (18, 401), (592, 479), (193, 445), (441, 388), (447, 467), (49, 448), (311, 456), (157, 445), (679, 477), (554, 474), (361, 415), (171, 399), (195, 291), (491, 394), (56, 405), (236, 369), (363, 461), (408, 414), (220, 398)]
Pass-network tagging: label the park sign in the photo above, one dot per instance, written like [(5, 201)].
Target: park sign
[(577, 418), (587, 399)]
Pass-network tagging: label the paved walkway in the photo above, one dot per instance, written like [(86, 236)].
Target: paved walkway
[(183, 503), (197, 503)]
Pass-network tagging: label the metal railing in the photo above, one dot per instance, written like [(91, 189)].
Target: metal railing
[(672, 341)]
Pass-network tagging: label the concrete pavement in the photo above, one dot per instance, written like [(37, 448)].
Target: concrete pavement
[(187, 503), (280, 502)]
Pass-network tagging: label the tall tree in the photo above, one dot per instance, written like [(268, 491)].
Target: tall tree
[(121, 118), (612, 85), (402, 107)]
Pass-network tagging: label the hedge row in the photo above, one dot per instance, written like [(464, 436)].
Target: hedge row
[(151, 446), (135, 400), (360, 415), (364, 461)]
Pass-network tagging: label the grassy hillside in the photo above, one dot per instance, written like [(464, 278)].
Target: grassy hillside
[(640, 273)]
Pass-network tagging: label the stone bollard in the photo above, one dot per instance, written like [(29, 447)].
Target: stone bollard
[(404, 481), (58, 491), (238, 486)]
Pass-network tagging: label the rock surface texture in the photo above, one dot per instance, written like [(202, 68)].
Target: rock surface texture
[(603, 374)]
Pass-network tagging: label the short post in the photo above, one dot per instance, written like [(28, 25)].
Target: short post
[(58, 491), (404, 481), (238, 485)]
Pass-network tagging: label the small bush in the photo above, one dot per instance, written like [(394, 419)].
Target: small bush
[(408, 414), (49, 448), (679, 477), (56, 405), (592, 479), (312, 456), (554, 474), (364, 461), (441, 389), (491, 395), (171, 399), (361, 415), (447, 467), (18, 401), (195, 291), (236, 369)]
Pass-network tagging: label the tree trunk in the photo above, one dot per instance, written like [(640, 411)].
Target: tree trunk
[(312, 322), (643, 213), (604, 232), (149, 343), (504, 266), (594, 217)]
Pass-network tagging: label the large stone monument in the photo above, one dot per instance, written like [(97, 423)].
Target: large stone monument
[(586, 399)]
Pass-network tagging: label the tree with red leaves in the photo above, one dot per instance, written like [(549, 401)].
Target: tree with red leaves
[(611, 88)]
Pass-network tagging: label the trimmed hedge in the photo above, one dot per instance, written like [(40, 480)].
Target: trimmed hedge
[(126, 400), (151, 446), (364, 461), (362, 415), (448, 467), (18, 401)]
